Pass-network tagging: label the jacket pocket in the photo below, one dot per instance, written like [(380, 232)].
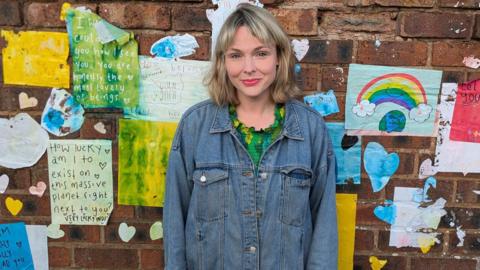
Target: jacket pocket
[(211, 193), (296, 184)]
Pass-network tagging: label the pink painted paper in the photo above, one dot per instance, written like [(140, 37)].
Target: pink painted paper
[(466, 119)]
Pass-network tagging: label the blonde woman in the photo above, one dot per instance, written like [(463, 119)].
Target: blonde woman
[(251, 176)]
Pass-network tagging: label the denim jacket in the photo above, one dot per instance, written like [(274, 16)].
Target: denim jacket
[(222, 213)]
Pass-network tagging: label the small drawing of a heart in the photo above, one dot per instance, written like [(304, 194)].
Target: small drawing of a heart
[(300, 48), (102, 165), (126, 232), (39, 189), (4, 179), (25, 101), (100, 128), (379, 164), (14, 206)]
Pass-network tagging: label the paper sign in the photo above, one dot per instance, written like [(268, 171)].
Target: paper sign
[(453, 156), (14, 247), (346, 214), (168, 88), (62, 114), (36, 58), (348, 153), (324, 103), (81, 181), (104, 74), (172, 47), (466, 120), (391, 100), (22, 141), (218, 16), (142, 161), (37, 237)]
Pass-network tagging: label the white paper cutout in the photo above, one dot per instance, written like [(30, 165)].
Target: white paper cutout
[(39, 189), (218, 16), (300, 48), (426, 169), (156, 230), (37, 238), (476, 192), (100, 128), (26, 102), (22, 141), (54, 231), (177, 46), (4, 179), (126, 232), (461, 236), (471, 62)]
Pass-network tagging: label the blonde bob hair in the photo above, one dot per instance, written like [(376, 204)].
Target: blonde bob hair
[(263, 26)]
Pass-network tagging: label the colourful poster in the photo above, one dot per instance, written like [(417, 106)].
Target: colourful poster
[(81, 181), (105, 61), (143, 148), (36, 58), (453, 156), (62, 114), (168, 88), (391, 100), (346, 216), (14, 247), (348, 153), (466, 118)]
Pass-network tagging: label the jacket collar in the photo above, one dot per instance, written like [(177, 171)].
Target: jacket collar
[(291, 126)]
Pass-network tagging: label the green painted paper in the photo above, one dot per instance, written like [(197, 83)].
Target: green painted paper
[(81, 181), (105, 62), (143, 148)]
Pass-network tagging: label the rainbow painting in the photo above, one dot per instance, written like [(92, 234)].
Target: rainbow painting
[(391, 100)]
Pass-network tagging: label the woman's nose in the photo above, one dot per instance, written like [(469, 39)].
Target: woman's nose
[(249, 65)]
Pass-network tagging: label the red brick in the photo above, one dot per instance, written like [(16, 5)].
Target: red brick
[(152, 259), (365, 215), (364, 240), (297, 21), (340, 116), (392, 53), (335, 22), (453, 76), (451, 54), (33, 206), (471, 244), (10, 13), (329, 52), (308, 79), (193, 20), (459, 3), (435, 25), (94, 257), (88, 234), (203, 51), (464, 193), (8, 100), (59, 256), (408, 142), (476, 31), (18, 179), (41, 94), (272, 2), (443, 264), (473, 76), (149, 213), (393, 262), (335, 78), (392, 3), (48, 14), (384, 239), (137, 15), (121, 212), (88, 131), (363, 190), (468, 218)]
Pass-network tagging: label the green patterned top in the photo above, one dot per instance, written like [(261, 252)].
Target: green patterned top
[(257, 141)]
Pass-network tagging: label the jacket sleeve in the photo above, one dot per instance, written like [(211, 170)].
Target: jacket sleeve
[(323, 254), (177, 199)]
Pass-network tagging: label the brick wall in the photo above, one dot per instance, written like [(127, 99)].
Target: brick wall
[(436, 34)]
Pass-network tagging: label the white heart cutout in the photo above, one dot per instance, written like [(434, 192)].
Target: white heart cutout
[(300, 48), (4, 179), (426, 169), (54, 231), (126, 232), (100, 128), (26, 102)]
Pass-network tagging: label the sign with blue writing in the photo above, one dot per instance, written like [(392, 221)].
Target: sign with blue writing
[(14, 247)]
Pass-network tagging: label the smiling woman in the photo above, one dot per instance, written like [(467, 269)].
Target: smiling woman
[(251, 172)]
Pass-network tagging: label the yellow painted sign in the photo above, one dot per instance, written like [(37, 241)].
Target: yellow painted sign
[(346, 214)]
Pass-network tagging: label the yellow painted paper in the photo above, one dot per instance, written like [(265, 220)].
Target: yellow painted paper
[(376, 264), (36, 58), (143, 148), (346, 213)]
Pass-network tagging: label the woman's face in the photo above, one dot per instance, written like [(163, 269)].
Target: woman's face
[(251, 65)]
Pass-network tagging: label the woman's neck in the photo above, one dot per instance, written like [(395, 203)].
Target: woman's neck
[(257, 114)]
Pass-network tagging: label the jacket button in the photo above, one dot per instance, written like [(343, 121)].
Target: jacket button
[(263, 175), (253, 249), (203, 179)]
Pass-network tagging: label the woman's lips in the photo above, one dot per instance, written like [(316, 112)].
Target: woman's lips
[(250, 82)]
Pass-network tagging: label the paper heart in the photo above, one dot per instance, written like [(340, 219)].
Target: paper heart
[(26, 102), (14, 206), (100, 127), (379, 165), (54, 231), (348, 141), (386, 213), (4, 183), (300, 48), (126, 232), (426, 169), (376, 264), (39, 189), (156, 230)]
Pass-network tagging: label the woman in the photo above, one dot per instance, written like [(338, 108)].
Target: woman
[(251, 176)]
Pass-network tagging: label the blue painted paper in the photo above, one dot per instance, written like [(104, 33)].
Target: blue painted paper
[(386, 213), (62, 114), (14, 247), (422, 195), (348, 153), (324, 103), (379, 164), (177, 46)]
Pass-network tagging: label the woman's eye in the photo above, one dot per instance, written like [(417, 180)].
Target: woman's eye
[(234, 56), (263, 53)]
